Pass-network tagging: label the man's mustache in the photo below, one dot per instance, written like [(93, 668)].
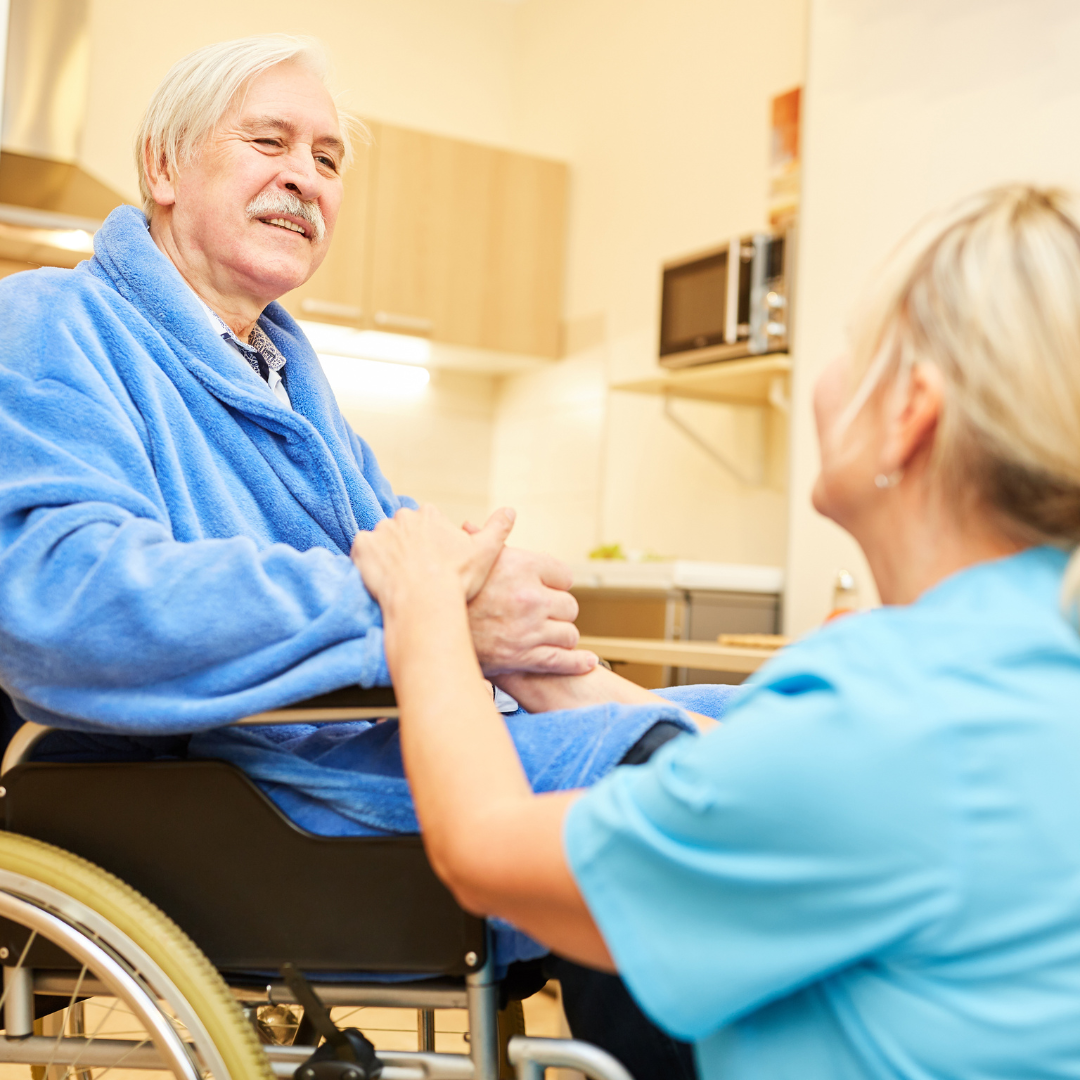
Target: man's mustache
[(285, 202)]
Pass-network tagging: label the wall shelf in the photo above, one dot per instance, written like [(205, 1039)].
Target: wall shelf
[(758, 380)]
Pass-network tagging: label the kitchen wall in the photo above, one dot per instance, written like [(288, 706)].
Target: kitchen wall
[(661, 110), (441, 65), (909, 106)]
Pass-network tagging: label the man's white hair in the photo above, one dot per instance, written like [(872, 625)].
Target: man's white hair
[(201, 89)]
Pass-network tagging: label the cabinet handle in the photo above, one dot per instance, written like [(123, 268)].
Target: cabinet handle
[(419, 324), (311, 306)]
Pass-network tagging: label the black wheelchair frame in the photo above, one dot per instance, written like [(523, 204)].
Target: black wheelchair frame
[(253, 891)]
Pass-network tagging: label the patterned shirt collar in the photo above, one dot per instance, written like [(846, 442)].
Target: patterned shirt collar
[(259, 348)]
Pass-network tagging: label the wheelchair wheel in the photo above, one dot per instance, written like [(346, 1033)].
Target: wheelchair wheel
[(75, 932)]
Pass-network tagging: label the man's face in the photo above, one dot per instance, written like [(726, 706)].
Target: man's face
[(282, 140)]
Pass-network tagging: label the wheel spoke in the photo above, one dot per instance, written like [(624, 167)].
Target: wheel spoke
[(63, 1023)]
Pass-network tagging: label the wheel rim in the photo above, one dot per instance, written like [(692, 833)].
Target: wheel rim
[(131, 974)]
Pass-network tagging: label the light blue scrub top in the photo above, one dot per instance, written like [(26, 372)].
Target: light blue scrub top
[(872, 868)]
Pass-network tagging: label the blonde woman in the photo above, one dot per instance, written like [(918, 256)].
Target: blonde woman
[(872, 868)]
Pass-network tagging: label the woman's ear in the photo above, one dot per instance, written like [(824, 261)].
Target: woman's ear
[(915, 405), (159, 178)]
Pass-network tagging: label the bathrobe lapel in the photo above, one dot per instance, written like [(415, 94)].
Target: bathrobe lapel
[(309, 447)]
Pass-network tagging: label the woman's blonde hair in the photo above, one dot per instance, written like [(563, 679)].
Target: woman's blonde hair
[(200, 90), (989, 292)]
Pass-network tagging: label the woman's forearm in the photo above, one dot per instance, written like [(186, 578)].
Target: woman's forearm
[(544, 693), (496, 844), (458, 753)]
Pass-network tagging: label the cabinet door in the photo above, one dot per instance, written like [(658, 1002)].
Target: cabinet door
[(339, 290), (467, 243), (526, 254), (429, 240)]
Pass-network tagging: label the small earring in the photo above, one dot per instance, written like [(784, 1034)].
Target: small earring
[(889, 480)]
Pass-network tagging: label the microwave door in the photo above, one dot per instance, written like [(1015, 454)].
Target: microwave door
[(693, 313), (731, 304)]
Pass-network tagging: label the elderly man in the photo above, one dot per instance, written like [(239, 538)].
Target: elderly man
[(180, 492)]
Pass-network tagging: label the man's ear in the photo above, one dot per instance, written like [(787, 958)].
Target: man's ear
[(915, 405), (159, 178)]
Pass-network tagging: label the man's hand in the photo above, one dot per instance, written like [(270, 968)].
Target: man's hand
[(417, 549), (523, 617)]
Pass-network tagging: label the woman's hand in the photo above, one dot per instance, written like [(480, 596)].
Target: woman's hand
[(421, 549)]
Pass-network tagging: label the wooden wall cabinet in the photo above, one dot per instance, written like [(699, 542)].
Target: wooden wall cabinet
[(337, 291), (464, 243)]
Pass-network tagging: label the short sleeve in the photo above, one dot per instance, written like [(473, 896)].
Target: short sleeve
[(796, 839)]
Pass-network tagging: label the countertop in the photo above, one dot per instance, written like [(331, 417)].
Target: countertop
[(677, 574)]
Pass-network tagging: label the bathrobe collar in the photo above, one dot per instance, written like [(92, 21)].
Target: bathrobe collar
[(339, 497)]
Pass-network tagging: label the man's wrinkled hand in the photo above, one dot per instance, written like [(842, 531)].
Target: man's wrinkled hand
[(523, 618), (417, 547)]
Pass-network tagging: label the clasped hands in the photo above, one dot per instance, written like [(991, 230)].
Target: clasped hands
[(520, 611)]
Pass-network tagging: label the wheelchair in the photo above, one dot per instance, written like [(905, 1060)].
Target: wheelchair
[(148, 910)]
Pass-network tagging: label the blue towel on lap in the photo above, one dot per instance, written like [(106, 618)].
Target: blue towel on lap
[(347, 779), (709, 699)]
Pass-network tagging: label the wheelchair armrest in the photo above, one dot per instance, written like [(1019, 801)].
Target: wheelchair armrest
[(337, 706), (349, 703)]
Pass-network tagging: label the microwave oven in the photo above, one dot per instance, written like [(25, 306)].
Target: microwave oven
[(733, 301)]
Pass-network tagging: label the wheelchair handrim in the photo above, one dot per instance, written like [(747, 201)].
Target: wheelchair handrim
[(131, 974)]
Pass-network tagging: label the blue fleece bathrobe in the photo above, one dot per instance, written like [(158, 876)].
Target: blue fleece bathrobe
[(174, 547)]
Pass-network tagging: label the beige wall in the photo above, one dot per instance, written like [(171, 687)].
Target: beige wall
[(908, 106), (662, 109), (435, 447), (441, 65), (547, 455)]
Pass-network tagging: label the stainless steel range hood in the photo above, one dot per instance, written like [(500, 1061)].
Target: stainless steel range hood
[(49, 205)]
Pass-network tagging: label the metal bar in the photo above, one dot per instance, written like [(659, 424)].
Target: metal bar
[(92, 1053), (563, 1054), (397, 1064), (720, 459), (18, 1002), (386, 995), (286, 1070), (63, 983), (483, 1019), (22, 743), (425, 1030)]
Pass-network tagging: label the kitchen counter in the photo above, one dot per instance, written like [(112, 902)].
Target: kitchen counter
[(677, 574), (702, 655)]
